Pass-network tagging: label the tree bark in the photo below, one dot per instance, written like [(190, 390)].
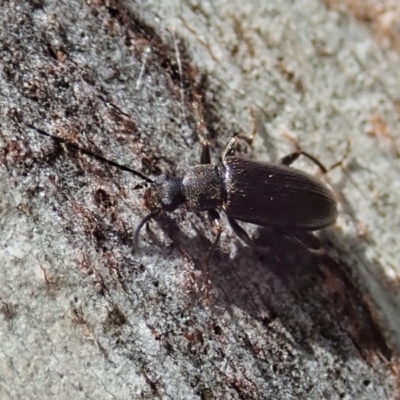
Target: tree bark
[(84, 315)]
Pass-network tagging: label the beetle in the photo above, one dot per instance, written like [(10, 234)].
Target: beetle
[(272, 195)]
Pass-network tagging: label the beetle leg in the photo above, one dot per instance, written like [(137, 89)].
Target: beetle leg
[(230, 149), (249, 139), (233, 143), (315, 252), (289, 159), (205, 157), (240, 232)]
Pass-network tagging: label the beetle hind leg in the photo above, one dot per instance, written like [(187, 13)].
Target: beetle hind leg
[(316, 252), (243, 235), (290, 158)]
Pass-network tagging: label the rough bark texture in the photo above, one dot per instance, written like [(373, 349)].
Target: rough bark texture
[(82, 315)]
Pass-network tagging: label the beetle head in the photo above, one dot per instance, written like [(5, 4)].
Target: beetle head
[(165, 193)]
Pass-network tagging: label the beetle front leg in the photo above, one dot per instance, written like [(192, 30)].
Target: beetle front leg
[(205, 157), (230, 149)]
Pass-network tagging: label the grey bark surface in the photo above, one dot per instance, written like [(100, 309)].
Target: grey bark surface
[(83, 315)]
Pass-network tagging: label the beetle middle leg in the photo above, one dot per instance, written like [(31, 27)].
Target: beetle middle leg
[(240, 232)]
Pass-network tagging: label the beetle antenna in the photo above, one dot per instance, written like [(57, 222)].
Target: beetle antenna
[(140, 226), (89, 153)]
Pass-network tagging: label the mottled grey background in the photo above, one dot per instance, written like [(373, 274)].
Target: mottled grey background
[(82, 315)]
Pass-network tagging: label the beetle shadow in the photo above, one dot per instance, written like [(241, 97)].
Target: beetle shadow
[(286, 289)]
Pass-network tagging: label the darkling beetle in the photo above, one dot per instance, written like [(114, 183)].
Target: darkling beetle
[(273, 195)]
